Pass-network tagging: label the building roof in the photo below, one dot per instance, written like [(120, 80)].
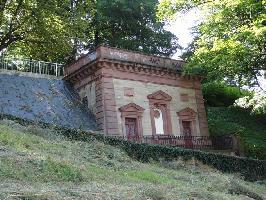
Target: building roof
[(120, 55)]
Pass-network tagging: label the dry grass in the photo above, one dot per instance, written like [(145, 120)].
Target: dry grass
[(37, 163)]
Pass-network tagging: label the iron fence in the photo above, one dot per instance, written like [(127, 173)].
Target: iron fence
[(190, 142), (33, 66)]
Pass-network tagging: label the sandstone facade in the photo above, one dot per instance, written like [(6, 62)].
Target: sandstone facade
[(138, 94)]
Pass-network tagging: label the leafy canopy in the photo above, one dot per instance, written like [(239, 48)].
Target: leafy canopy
[(231, 40), (60, 30), (35, 28), (218, 94), (130, 25)]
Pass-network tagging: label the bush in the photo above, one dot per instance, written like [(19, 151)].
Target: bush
[(235, 120), (251, 169), (219, 94), (220, 122)]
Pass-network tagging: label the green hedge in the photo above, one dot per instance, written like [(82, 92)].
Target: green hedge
[(235, 120), (221, 94), (250, 169)]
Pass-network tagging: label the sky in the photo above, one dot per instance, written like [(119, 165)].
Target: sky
[(182, 25)]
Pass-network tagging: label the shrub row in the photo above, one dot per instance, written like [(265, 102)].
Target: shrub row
[(235, 120), (250, 169), (221, 94)]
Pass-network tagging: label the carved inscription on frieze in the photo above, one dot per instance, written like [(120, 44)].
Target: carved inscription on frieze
[(119, 55), (148, 60), (154, 60)]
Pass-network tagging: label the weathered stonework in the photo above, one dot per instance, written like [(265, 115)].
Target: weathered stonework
[(140, 98), (127, 86)]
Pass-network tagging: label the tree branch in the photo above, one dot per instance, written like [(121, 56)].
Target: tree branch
[(258, 83), (3, 5), (15, 14), (11, 37), (10, 40)]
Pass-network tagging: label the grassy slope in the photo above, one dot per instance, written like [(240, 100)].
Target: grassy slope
[(251, 128), (37, 164)]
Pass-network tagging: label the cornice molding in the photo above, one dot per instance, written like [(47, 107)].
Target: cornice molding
[(147, 70)]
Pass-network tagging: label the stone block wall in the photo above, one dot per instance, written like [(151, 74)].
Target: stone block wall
[(88, 96), (140, 92), (43, 98)]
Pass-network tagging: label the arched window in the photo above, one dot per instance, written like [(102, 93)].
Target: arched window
[(158, 121), (160, 113)]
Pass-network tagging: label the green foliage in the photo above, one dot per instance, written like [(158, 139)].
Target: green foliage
[(251, 128), (47, 170), (219, 128), (59, 31), (251, 169), (231, 39), (36, 28), (125, 178), (60, 171), (220, 94), (131, 25), (168, 8)]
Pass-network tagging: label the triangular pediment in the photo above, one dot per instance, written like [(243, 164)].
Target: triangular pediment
[(187, 112), (160, 95), (131, 107)]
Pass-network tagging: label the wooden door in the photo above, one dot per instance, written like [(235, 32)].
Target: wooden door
[(131, 128), (187, 134)]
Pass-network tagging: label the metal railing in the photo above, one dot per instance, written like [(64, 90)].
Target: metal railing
[(190, 142), (33, 66)]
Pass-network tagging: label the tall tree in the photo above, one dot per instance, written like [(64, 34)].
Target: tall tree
[(132, 25), (231, 41), (35, 28), (60, 30)]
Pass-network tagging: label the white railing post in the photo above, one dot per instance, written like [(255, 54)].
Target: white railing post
[(63, 70), (56, 69), (33, 66), (39, 64)]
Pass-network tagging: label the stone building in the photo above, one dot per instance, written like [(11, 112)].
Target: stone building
[(133, 94)]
